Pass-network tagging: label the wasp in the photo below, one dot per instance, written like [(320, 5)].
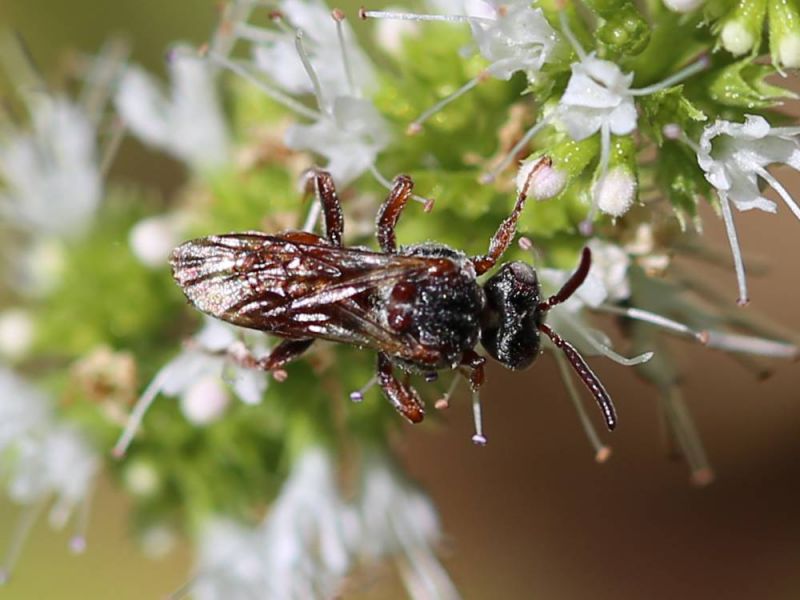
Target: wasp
[(420, 307)]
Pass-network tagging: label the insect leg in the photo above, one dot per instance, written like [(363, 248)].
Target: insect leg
[(572, 284), (586, 375), (279, 356), (402, 396), (502, 238), (390, 211), (324, 190), (475, 362)]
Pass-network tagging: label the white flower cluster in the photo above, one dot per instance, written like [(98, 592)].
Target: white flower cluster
[(41, 460), (311, 537)]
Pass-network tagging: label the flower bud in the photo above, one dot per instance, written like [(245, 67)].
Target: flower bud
[(141, 478), (615, 191), (152, 240), (784, 34), (740, 30), (547, 182), (683, 6)]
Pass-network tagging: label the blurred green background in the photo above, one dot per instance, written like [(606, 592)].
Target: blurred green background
[(531, 515)]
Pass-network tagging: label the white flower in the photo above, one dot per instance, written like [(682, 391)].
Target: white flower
[(16, 333), (734, 156), (308, 533), (51, 174), (276, 55), (59, 463), (207, 355), (23, 409), (205, 400), (188, 122), (598, 97), (519, 38), (231, 563), (351, 137), (152, 240), (399, 520)]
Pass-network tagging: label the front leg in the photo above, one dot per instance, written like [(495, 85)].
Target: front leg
[(321, 184), (505, 233), (279, 357), (390, 211), (403, 397)]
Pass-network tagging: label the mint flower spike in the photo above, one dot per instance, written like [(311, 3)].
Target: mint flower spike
[(51, 172), (511, 36), (347, 129), (398, 520), (196, 376), (734, 156), (599, 98), (44, 461), (187, 122)]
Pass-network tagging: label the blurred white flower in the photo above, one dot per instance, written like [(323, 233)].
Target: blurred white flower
[(734, 156), (308, 535), (275, 53), (398, 520), (187, 122), (41, 460), (153, 238), (51, 172), (683, 6), (350, 138), (230, 563), (207, 355), (16, 333)]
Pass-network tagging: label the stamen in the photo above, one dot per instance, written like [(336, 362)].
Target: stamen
[(479, 439), (77, 543), (338, 16), (778, 187), (400, 16), (137, 414), (223, 40), (491, 175), (682, 426), (601, 451), (567, 31), (427, 202), (258, 35), (100, 76), (746, 344), (358, 395), (21, 532), (273, 93), (654, 319), (415, 127), (733, 239), (109, 152), (444, 402), (312, 75), (700, 65), (610, 354), (586, 225)]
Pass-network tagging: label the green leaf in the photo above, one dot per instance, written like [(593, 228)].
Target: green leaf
[(667, 107)]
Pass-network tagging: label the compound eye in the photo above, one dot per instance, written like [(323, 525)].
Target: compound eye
[(510, 327)]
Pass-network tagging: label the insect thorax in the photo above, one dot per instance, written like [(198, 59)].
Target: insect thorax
[(441, 311)]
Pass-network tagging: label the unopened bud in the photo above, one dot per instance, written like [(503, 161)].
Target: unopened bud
[(784, 33), (683, 6), (546, 181), (152, 240), (615, 191), (741, 29), (16, 333)]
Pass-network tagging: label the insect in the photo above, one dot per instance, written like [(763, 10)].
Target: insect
[(420, 306)]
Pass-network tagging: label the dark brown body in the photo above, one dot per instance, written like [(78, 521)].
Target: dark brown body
[(420, 307)]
